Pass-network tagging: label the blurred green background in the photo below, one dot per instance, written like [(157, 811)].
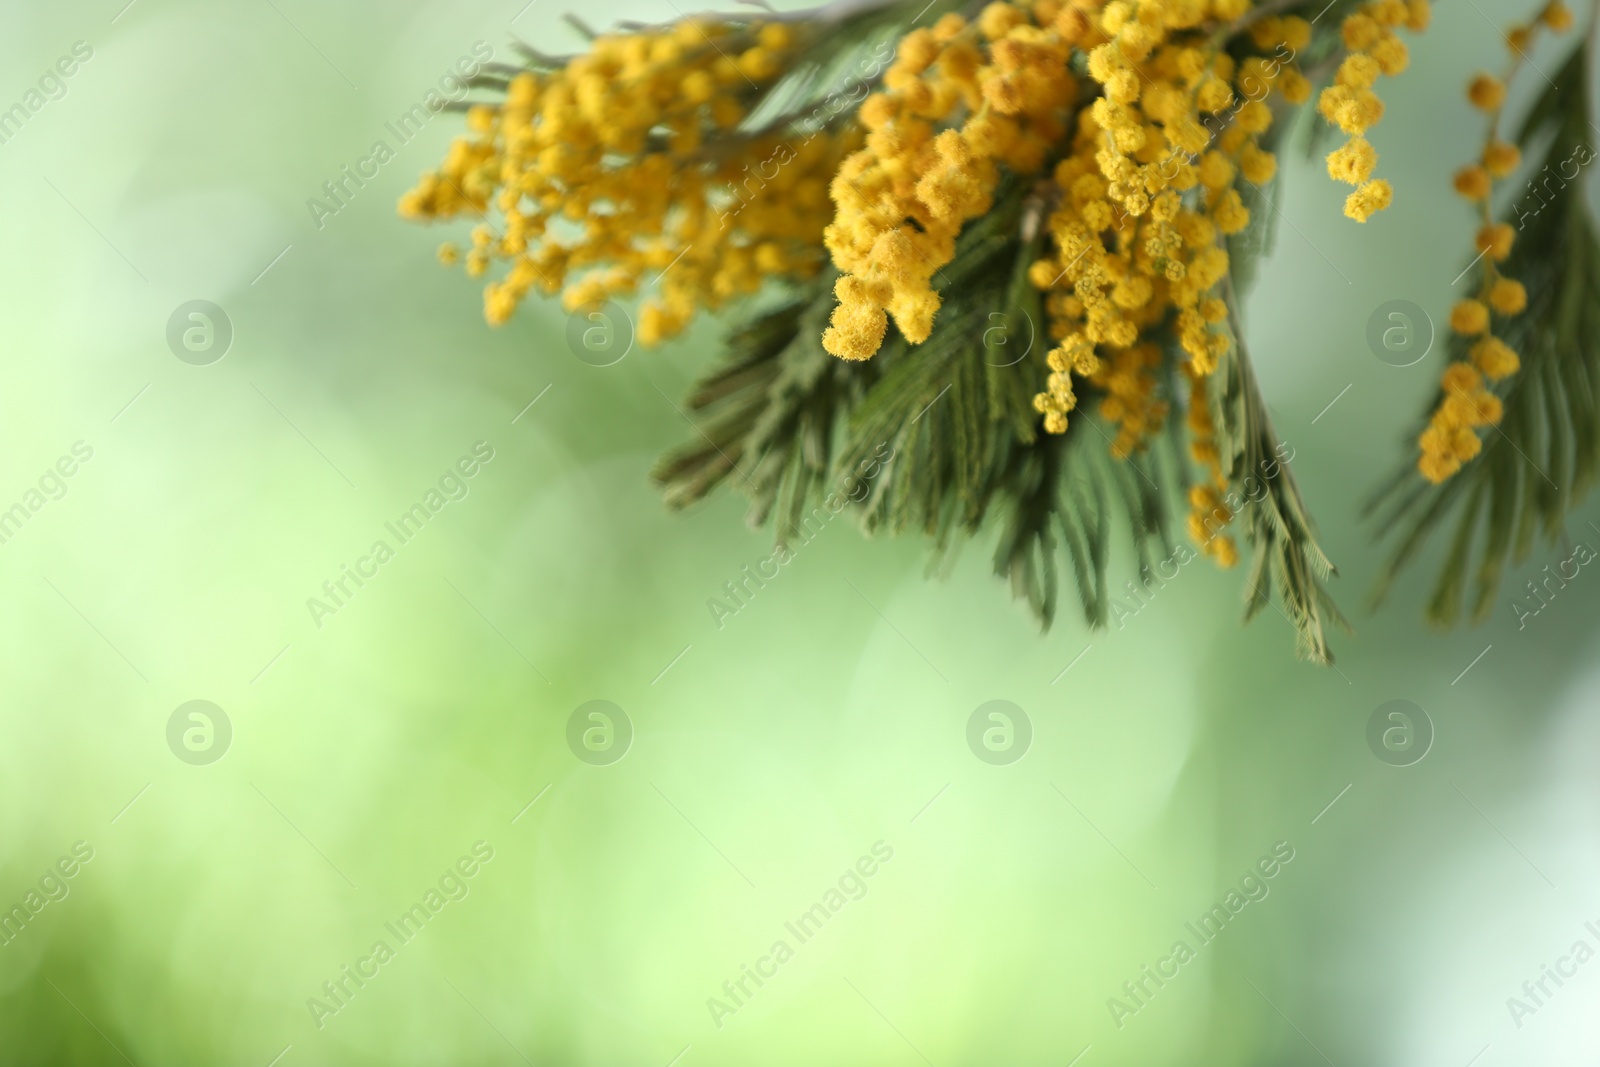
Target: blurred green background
[(428, 717)]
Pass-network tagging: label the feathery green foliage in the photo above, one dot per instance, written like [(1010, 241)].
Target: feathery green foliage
[(788, 425)]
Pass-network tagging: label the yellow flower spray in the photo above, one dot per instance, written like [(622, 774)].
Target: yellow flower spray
[(1146, 193), (650, 166), (1452, 438), (1351, 104), (622, 168), (902, 199)]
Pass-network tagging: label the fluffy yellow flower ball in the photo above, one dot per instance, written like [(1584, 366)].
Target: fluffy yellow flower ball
[(1495, 358), (1507, 296), (1472, 181), (1495, 240), (1557, 16), (1501, 158), (1353, 162), (1369, 199), (1486, 92), (1469, 317)]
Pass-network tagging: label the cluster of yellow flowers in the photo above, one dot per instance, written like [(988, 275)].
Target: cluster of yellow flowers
[(624, 167), (1451, 438), (635, 166), (1146, 191), (1350, 103), (902, 199), (1208, 514), (1127, 376), (1145, 186)]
